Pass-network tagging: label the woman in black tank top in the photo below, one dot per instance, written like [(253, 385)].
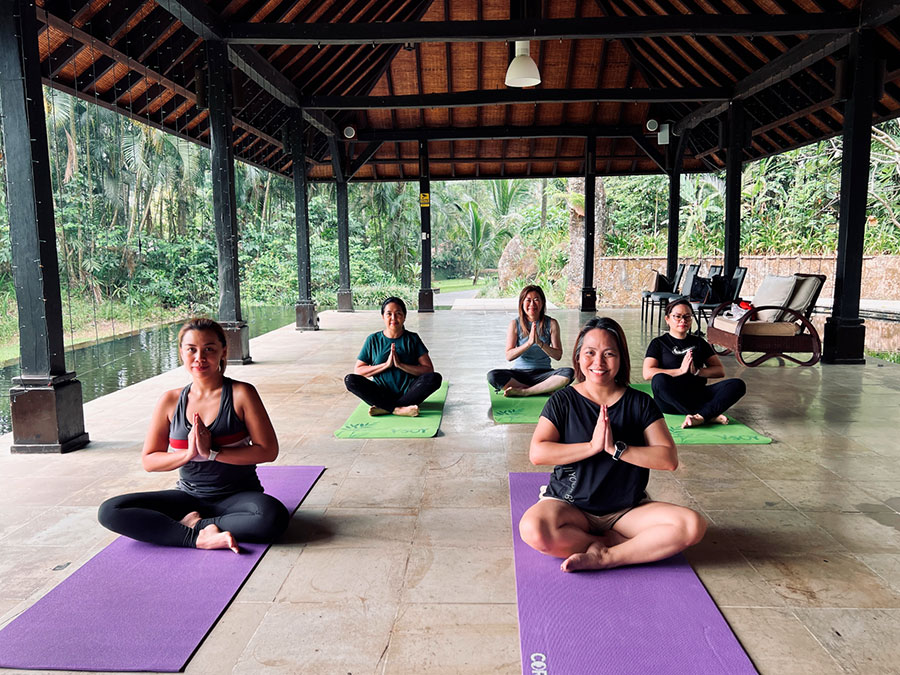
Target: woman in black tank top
[(214, 431)]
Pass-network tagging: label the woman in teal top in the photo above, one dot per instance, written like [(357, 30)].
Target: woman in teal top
[(531, 341), (398, 363)]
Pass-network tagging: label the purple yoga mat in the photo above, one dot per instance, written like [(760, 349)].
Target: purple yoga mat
[(138, 607), (653, 618)]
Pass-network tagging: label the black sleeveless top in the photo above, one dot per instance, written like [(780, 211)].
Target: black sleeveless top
[(201, 477)]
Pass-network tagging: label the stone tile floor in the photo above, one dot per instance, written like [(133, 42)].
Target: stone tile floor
[(400, 559)]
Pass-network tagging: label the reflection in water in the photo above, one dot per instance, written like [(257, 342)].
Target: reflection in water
[(107, 366), (881, 336)]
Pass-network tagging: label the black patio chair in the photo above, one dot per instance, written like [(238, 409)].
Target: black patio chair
[(645, 295), (662, 299), (702, 309)]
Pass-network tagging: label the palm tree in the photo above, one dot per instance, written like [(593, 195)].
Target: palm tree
[(506, 195), (480, 237)]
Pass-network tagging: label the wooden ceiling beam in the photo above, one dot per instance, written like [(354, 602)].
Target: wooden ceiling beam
[(777, 70), (207, 25), (497, 133), (470, 99), (607, 28)]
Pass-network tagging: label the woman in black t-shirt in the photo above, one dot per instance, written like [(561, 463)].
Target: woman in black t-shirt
[(604, 437), (678, 364)]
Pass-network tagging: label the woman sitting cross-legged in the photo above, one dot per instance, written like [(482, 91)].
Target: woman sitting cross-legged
[(398, 363), (678, 365), (604, 437), (531, 341), (214, 431)]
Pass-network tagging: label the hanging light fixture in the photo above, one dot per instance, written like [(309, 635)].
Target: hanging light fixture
[(522, 71)]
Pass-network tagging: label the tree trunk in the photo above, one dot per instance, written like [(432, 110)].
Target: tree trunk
[(543, 203)]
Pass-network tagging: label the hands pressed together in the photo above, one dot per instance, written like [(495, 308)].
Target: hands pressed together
[(199, 440), (687, 364), (533, 338), (602, 439)]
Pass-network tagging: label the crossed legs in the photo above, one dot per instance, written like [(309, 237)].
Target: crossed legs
[(699, 404), (384, 401), (175, 518), (648, 532)]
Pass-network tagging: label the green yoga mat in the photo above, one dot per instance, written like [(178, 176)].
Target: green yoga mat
[(362, 425), (733, 433), (516, 409)]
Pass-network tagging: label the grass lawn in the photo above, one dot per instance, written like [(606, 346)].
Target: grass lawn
[(464, 284)]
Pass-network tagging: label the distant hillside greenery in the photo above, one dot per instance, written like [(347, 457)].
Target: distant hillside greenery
[(135, 235)]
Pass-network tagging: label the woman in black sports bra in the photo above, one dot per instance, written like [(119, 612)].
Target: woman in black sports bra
[(214, 431)]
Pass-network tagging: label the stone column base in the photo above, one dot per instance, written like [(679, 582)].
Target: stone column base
[(307, 317), (47, 416), (345, 301), (237, 337), (426, 300), (844, 341), (588, 299)]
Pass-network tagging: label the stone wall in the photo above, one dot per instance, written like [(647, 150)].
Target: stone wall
[(620, 281)]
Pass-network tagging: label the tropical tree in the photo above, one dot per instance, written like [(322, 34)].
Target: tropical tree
[(481, 238)]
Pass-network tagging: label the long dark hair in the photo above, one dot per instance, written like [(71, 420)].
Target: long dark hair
[(623, 376), (523, 321), (201, 323)]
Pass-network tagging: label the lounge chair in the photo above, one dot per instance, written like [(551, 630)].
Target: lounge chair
[(777, 326)]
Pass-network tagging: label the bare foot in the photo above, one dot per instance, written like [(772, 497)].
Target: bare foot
[(375, 411), (407, 411), (692, 421), (512, 392), (595, 558), (211, 537), (190, 520), (721, 419)]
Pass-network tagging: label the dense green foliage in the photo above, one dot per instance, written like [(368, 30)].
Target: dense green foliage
[(135, 235), (789, 204)]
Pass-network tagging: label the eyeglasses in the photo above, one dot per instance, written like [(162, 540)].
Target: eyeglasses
[(682, 317)]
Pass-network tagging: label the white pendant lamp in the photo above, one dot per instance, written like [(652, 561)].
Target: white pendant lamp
[(522, 71)]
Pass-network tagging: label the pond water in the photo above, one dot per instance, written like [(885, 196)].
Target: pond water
[(106, 366)]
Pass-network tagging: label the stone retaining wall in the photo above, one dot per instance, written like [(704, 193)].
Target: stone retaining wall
[(620, 280)]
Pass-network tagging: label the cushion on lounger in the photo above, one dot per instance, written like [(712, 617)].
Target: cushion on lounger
[(777, 328), (804, 291), (773, 290)]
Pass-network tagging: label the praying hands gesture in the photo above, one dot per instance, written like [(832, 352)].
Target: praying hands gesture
[(199, 439), (533, 334), (602, 439), (687, 364)]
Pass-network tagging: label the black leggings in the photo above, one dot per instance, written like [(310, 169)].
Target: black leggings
[(388, 399), (154, 517), (529, 377), (677, 395)]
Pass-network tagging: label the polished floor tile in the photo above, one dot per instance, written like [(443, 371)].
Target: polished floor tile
[(400, 559)]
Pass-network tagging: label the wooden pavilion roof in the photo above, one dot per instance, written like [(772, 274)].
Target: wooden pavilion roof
[(404, 71)]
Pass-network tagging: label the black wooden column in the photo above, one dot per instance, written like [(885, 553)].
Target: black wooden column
[(676, 157), (224, 203), (307, 319), (734, 151), (426, 293), (588, 291), (46, 404), (845, 333), (345, 295)]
